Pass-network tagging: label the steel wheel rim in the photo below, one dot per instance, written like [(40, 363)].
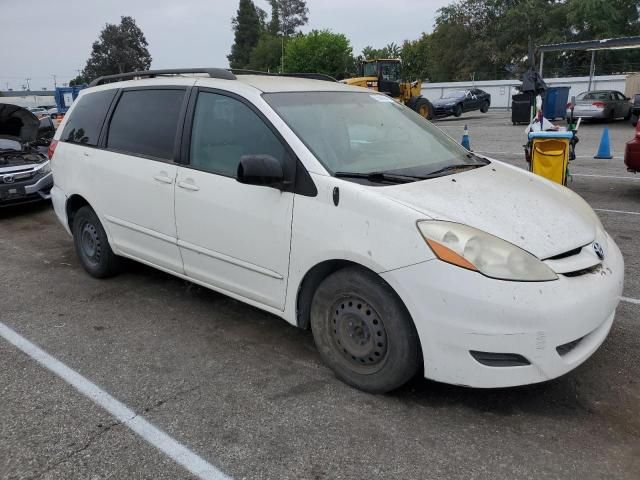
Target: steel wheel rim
[(90, 243), (358, 333), (424, 111)]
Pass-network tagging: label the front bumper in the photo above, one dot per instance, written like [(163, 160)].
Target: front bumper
[(457, 312), (28, 191), (443, 110)]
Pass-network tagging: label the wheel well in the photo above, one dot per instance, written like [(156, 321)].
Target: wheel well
[(310, 283), (74, 203)]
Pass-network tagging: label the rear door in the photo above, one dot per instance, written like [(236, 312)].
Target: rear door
[(135, 173), (232, 236)]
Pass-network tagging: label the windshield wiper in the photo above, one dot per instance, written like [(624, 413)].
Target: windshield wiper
[(380, 177), (452, 168)]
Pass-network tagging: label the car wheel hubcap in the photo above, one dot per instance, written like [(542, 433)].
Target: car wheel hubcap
[(90, 242), (358, 332)]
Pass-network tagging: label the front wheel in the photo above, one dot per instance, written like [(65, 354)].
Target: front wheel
[(424, 109), (458, 110), (92, 245), (485, 107), (363, 331)]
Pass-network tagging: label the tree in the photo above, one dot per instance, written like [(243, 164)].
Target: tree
[(292, 14), (79, 80), (267, 54), (247, 26), (415, 58), (274, 22), (391, 50), (120, 48), (319, 51)]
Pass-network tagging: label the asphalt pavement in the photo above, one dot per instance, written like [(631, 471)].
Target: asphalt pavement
[(249, 394)]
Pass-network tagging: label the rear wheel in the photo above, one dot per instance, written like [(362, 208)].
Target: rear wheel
[(363, 331), (458, 110), (485, 107), (92, 245)]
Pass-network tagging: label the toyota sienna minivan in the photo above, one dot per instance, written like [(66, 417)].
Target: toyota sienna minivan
[(342, 211)]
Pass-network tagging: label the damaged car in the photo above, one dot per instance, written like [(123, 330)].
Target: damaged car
[(25, 171)]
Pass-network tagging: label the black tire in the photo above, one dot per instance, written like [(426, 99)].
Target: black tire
[(485, 107), (458, 111), (423, 107), (92, 245), (363, 331), (628, 116)]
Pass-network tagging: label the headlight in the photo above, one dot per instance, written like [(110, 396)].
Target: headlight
[(476, 250), (45, 168)]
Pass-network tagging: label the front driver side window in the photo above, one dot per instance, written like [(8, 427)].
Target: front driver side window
[(224, 129)]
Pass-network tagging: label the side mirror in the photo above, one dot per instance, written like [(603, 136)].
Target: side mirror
[(263, 170)]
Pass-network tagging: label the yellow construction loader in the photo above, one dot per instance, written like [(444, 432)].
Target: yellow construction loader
[(385, 76)]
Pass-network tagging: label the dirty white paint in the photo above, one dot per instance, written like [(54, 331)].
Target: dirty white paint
[(199, 467), (630, 300)]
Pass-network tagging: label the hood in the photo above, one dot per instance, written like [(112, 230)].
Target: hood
[(542, 217), (18, 122), (444, 101)]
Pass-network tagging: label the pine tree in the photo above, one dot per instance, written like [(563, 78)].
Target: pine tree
[(247, 28), (120, 48)]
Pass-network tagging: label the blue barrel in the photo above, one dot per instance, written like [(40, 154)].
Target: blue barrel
[(554, 104)]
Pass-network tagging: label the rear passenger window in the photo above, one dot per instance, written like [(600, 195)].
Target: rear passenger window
[(145, 122), (224, 129), (86, 118)]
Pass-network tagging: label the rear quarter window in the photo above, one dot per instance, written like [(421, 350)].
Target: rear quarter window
[(87, 117), (145, 122)]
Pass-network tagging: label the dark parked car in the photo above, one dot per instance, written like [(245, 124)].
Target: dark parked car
[(458, 102), (25, 172)]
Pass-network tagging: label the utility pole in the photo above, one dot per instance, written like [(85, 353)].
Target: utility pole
[(7, 84), (55, 84)]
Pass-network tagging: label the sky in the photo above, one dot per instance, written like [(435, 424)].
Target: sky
[(42, 38)]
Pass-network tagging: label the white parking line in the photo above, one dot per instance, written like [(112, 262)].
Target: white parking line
[(153, 435), (630, 300), (616, 211), (620, 177)]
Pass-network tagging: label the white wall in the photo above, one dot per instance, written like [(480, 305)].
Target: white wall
[(501, 90), (29, 101)]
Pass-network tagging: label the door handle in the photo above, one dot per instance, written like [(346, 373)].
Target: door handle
[(163, 178), (189, 186)]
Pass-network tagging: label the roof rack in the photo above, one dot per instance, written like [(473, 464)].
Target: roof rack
[(310, 76), (221, 73)]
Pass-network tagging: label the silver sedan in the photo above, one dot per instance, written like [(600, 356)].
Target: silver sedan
[(601, 105)]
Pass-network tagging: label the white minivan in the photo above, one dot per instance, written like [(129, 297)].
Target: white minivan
[(342, 211)]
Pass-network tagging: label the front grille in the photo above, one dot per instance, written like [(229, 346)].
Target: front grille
[(567, 347), (492, 359), (584, 271)]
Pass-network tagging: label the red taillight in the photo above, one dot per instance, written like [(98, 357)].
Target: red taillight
[(52, 148), (598, 104), (569, 105)]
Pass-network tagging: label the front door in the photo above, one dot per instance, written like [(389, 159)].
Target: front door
[(232, 236)]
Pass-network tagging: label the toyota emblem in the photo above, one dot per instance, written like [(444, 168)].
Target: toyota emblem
[(8, 178), (599, 250)]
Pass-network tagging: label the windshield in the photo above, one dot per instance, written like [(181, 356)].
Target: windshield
[(593, 96), (370, 69), (363, 133)]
